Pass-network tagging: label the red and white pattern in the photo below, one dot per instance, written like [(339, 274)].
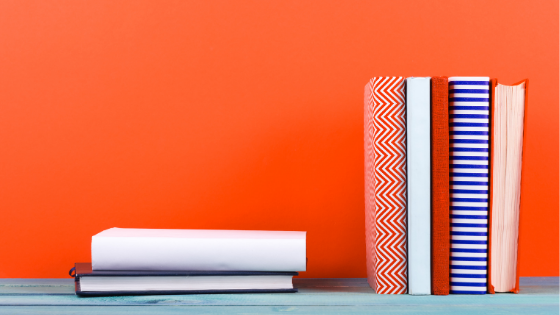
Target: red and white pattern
[(385, 184)]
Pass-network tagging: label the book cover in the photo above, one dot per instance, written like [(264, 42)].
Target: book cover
[(418, 185), (469, 153), (385, 184), (181, 249), (440, 186)]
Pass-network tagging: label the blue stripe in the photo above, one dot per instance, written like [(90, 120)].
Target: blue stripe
[(465, 275), (468, 158), (451, 83), (470, 107), (474, 116), (468, 250), (461, 208), (468, 99), (469, 191), (455, 166), (467, 124), (469, 183), (467, 267), (469, 133), (473, 225), (469, 141), (467, 292), (469, 199), (468, 258), (470, 91), (472, 217), (469, 284), (455, 149), (469, 233), (468, 175), (466, 191)]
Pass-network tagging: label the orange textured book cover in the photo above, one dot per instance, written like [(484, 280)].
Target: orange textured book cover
[(440, 186)]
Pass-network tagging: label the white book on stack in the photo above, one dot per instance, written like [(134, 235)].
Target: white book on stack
[(202, 250), (418, 184)]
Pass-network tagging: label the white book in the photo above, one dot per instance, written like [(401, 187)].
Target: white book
[(204, 250), (418, 184)]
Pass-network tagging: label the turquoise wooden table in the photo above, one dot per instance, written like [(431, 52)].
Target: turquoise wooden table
[(316, 296)]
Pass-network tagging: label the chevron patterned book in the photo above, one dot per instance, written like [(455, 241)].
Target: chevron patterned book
[(469, 152), (440, 186), (385, 184), (418, 184)]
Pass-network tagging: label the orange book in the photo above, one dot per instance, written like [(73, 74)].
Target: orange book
[(504, 227), (440, 186)]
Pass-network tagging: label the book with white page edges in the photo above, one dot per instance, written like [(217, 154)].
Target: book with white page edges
[(509, 111), (90, 282), (198, 250), (418, 184)]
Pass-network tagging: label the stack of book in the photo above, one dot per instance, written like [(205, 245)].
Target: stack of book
[(443, 163), (151, 261)]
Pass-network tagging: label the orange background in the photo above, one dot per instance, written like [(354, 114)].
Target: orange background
[(239, 115)]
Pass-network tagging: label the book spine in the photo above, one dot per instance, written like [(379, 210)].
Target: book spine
[(493, 83), (521, 204), (418, 184), (386, 185), (369, 184), (440, 186), (469, 149)]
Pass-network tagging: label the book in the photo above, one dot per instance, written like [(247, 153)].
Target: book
[(440, 186), (469, 152), (509, 105), (418, 184), (385, 184), (89, 282), (193, 250)]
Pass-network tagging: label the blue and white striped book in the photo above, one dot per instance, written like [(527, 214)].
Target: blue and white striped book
[(469, 128)]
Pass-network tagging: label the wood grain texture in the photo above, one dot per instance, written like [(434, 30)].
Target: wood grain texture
[(380, 309), (316, 296)]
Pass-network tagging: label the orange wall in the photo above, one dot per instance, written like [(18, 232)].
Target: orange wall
[(239, 115)]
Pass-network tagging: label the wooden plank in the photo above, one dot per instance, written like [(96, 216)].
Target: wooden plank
[(303, 298), (313, 292), (381, 309), (541, 281)]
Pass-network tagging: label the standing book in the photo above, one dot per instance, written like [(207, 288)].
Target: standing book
[(440, 186), (469, 152), (418, 185), (385, 184), (509, 113)]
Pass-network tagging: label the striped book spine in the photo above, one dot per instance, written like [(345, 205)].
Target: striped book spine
[(469, 154)]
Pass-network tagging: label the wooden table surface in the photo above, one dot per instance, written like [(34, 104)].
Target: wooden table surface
[(316, 296)]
